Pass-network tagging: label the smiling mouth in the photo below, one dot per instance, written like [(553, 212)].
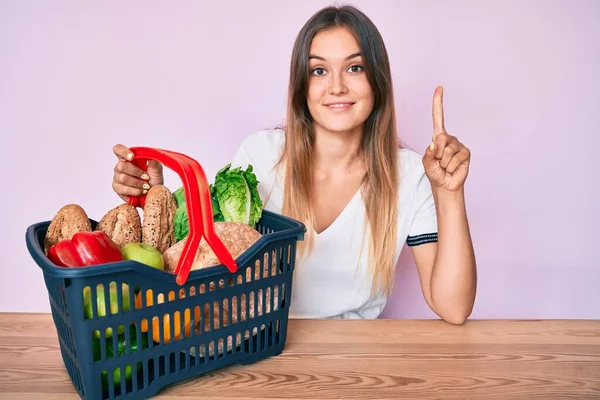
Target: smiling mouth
[(339, 106)]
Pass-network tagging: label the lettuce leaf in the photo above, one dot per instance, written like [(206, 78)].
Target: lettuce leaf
[(234, 197), (179, 196), (180, 220), (256, 203)]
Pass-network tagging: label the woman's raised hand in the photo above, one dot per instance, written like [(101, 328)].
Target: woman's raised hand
[(446, 160)]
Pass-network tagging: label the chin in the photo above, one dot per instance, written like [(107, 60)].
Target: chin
[(342, 128), (340, 125)]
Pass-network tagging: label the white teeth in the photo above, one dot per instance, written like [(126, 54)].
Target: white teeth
[(338, 105)]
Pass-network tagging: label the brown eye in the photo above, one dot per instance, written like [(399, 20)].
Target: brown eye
[(318, 71), (356, 68)]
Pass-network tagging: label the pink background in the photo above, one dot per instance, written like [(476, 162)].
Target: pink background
[(522, 86)]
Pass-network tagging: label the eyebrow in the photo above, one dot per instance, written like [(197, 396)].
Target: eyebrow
[(350, 57)]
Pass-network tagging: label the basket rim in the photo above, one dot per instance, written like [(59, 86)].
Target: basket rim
[(296, 230)]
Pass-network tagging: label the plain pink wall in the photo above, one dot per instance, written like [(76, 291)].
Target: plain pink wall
[(522, 87)]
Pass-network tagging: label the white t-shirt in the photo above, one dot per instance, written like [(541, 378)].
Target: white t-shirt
[(333, 281)]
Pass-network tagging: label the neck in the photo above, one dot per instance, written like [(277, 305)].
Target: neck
[(337, 150)]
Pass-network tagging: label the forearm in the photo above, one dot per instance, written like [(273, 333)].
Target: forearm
[(454, 276)]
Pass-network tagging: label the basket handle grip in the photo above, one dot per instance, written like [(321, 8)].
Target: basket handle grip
[(198, 204)]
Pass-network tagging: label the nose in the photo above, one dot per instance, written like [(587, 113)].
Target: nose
[(337, 84)]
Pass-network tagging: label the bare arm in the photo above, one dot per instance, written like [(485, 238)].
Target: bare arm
[(447, 269)]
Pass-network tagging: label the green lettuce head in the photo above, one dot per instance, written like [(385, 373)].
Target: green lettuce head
[(234, 196), (180, 220)]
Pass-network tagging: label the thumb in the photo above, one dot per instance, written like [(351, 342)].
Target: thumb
[(429, 161), (155, 172)]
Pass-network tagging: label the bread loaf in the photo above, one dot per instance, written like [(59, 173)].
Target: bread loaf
[(157, 228), (122, 224), (236, 237), (69, 220)]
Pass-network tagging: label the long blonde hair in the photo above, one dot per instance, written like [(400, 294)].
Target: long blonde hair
[(379, 145)]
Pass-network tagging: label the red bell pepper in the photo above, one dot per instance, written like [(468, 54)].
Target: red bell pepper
[(84, 249)]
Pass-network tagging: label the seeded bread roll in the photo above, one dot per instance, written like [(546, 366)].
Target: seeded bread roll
[(69, 220), (122, 224), (236, 237), (157, 228)]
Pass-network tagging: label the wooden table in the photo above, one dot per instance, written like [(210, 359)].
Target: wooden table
[(327, 359)]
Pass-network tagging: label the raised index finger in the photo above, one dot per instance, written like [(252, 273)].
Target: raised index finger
[(438, 111)]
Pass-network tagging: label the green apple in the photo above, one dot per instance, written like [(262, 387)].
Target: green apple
[(121, 350), (101, 304), (143, 253)]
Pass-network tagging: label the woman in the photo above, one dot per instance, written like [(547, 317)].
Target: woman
[(337, 166)]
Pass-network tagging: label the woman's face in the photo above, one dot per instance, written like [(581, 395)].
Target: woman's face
[(340, 98)]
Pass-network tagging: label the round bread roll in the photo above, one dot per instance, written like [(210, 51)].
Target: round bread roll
[(236, 237), (122, 224), (227, 320), (157, 228), (69, 220)]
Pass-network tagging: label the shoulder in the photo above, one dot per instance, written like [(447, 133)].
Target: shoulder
[(261, 149), (264, 140), (414, 186), (410, 163)]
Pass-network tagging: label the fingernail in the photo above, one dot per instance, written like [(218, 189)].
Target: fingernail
[(432, 145), (145, 176), (129, 156), (144, 191), (146, 186)]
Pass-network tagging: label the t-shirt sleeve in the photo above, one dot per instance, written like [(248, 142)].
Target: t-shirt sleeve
[(424, 227), (241, 157)]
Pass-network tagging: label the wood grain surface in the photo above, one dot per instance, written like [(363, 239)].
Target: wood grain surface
[(350, 359)]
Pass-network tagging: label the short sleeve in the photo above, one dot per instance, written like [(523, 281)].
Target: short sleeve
[(241, 158), (424, 227)]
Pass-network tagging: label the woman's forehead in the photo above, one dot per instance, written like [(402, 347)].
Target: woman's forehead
[(334, 44)]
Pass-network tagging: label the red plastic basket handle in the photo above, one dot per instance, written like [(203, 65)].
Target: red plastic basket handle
[(198, 204)]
